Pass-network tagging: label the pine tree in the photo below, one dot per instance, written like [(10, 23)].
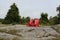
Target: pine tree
[(13, 15), (44, 18), (58, 9)]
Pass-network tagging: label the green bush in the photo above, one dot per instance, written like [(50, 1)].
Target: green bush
[(1, 20), (6, 22)]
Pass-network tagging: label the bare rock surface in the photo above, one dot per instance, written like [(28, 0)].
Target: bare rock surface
[(28, 33)]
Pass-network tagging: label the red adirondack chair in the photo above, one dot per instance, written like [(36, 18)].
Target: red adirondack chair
[(36, 22), (33, 23)]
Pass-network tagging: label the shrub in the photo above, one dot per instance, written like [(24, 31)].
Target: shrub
[(6, 22)]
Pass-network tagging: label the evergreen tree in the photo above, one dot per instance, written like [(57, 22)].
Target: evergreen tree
[(27, 19), (13, 14), (58, 9), (23, 20), (44, 18)]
